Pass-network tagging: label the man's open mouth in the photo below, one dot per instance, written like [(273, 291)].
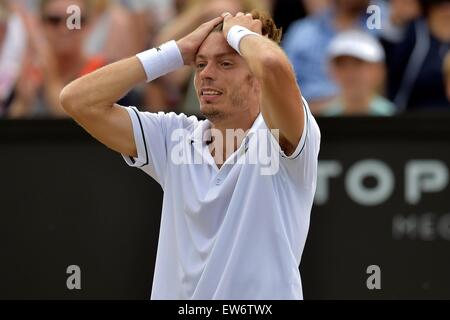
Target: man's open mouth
[(210, 92)]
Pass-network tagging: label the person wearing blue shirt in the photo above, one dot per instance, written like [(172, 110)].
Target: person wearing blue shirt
[(306, 44)]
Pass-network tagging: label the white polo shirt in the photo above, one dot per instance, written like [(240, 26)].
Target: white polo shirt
[(233, 233)]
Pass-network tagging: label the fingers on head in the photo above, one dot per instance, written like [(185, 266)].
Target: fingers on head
[(212, 23), (258, 23), (218, 20)]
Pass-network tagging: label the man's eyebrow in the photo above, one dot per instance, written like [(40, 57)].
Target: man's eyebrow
[(216, 56)]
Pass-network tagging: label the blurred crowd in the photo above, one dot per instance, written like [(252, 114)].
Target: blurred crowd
[(390, 59)]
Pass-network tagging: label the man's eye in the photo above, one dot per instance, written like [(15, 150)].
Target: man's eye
[(226, 64), (201, 65)]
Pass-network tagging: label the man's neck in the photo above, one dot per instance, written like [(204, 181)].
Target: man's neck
[(232, 132)]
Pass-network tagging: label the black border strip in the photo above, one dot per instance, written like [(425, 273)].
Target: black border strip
[(306, 137), (143, 137)]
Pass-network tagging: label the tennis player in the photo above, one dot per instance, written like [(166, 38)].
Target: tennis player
[(236, 207)]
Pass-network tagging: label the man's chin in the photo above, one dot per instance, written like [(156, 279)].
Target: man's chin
[(210, 111)]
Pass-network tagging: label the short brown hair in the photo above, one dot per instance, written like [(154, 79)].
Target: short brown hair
[(269, 28)]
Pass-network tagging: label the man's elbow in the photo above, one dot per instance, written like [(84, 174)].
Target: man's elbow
[(74, 100), (68, 99)]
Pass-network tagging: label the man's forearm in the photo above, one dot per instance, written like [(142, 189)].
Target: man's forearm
[(104, 87), (263, 55)]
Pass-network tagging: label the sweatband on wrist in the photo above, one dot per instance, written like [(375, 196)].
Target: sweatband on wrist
[(160, 61), (236, 34)]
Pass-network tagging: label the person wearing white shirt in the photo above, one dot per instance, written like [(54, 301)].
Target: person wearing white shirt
[(238, 186)]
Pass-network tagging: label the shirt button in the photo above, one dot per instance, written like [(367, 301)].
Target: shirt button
[(218, 181)]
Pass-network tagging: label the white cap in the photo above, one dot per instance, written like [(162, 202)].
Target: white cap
[(358, 44)]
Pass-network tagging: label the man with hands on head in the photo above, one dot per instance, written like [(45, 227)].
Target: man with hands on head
[(229, 229)]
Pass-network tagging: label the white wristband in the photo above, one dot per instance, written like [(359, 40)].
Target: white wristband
[(236, 34), (160, 61)]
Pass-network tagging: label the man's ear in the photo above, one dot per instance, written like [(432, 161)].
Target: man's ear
[(256, 83)]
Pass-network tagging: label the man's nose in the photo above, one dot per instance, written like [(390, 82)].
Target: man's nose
[(208, 72)]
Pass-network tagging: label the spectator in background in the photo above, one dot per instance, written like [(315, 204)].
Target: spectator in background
[(55, 58), (415, 60), (356, 62), (306, 44), (12, 50), (113, 34), (447, 75)]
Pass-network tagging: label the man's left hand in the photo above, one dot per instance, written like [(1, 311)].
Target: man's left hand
[(243, 20)]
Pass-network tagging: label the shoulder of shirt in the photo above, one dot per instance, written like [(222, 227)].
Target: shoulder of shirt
[(170, 120), (179, 120)]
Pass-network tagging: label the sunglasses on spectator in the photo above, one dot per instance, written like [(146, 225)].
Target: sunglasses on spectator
[(55, 20)]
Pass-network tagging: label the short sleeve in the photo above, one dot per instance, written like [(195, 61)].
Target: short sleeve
[(301, 144), (302, 164), (152, 135)]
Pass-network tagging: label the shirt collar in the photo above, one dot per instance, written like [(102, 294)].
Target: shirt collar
[(197, 134), (201, 134)]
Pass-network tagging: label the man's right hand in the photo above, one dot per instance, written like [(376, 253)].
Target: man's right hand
[(190, 44)]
